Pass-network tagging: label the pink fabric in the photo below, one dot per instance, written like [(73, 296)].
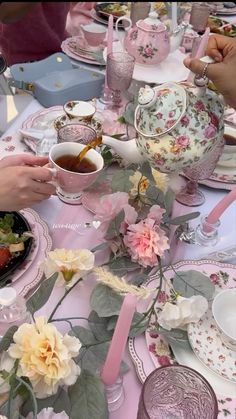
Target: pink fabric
[(79, 13), (37, 35)]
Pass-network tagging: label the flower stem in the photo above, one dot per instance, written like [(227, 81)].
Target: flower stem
[(62, 298)]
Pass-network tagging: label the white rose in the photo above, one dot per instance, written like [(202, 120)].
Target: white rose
[(6, 364), (186, 310), (70, 264)]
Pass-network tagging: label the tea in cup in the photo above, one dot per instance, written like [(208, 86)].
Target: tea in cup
[(79, 110), (73, 176), (94, 34)]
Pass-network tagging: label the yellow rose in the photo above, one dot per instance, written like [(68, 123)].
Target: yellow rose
[(45, 356), (70, 264), (161, 181)]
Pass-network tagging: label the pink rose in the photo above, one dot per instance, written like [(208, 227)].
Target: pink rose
[(199, 106), (148, 51), (159, 115), (162, 297), (170, 123), (184, 121), (182, 141), (171, 114), (145, 241), (214, 278), (156, 213), (153, 335), (158, 159), (214, 119), (210, 131), (163, 360)]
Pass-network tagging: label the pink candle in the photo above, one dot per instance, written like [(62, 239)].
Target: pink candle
[(224, 203), (200, 52), (109, 43), (111, 367)]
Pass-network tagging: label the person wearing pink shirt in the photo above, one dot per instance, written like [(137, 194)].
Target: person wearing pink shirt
[(32, 31)]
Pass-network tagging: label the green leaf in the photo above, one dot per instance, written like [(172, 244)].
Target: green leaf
[(120, 181), (7, 338), (87, 398), (184, 218), (155, 195), (169, 201), (146, 171), (122, 266), (60, 401), (105, 301), (85, 336), (98, 326), (100, 246), (113, 229), (41, 296), (174, 335), (191, 283), (134, 330)]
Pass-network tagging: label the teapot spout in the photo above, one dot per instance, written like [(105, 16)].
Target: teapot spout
[(127, 150), (177, 36)]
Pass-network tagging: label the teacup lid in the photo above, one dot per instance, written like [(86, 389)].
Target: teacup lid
[(151, 23), (160, 109)]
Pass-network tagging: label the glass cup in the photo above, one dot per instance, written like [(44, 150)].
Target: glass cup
[(120, 68), (78, 133), (177, 391), (69, 184), (199, 17)]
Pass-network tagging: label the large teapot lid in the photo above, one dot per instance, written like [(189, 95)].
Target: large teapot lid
[(151, 23), (159, 109)]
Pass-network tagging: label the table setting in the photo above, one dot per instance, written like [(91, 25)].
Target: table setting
[(128, 293)]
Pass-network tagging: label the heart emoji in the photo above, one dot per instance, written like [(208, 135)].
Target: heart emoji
[(96, 224)]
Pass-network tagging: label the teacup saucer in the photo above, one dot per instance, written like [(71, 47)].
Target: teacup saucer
[(63, 120), (205, 340)]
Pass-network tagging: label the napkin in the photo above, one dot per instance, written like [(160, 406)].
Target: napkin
[(39, 141)]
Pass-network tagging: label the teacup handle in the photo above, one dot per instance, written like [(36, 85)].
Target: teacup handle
[(118, 33)]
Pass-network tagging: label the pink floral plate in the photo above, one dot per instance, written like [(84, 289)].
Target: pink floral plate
[(224, 174), (206, 343), (32, 274), (217, 185), (44, 118), (151, 351), (66, 48)]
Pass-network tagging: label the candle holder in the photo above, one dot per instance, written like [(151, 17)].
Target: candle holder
[(115, 394), (206, 233)]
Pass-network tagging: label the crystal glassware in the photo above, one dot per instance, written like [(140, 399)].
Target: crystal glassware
[(199, 17), (191, 195), (177, 391), (120, 68), (78, 133)]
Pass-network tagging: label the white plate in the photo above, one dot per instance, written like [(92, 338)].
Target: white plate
[(171, 69), (65, 46), (224, 174)]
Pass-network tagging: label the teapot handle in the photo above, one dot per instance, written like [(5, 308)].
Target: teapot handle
[(119, 33)]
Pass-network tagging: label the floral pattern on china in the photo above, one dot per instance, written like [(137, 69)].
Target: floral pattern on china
[(149, 41), (177, 126)]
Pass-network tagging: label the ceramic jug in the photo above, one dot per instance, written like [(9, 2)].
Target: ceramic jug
[(149, 41), (177, 126)]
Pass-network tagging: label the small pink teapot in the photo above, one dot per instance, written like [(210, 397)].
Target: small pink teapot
[(149, 41)]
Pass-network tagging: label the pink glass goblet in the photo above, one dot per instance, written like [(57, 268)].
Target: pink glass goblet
[(177, 391), (120, 68), (191, 195)]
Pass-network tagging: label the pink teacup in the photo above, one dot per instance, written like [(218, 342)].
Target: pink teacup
[(71, 184), (94, 33)]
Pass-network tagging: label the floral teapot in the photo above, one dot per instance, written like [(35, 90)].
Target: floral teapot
[(149, 41), (177, 126)]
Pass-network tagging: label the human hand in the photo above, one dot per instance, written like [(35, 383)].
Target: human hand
[(223, 50), (23, 160), (24, 186)]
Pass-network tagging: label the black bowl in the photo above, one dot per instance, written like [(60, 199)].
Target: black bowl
[(20, 226)]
